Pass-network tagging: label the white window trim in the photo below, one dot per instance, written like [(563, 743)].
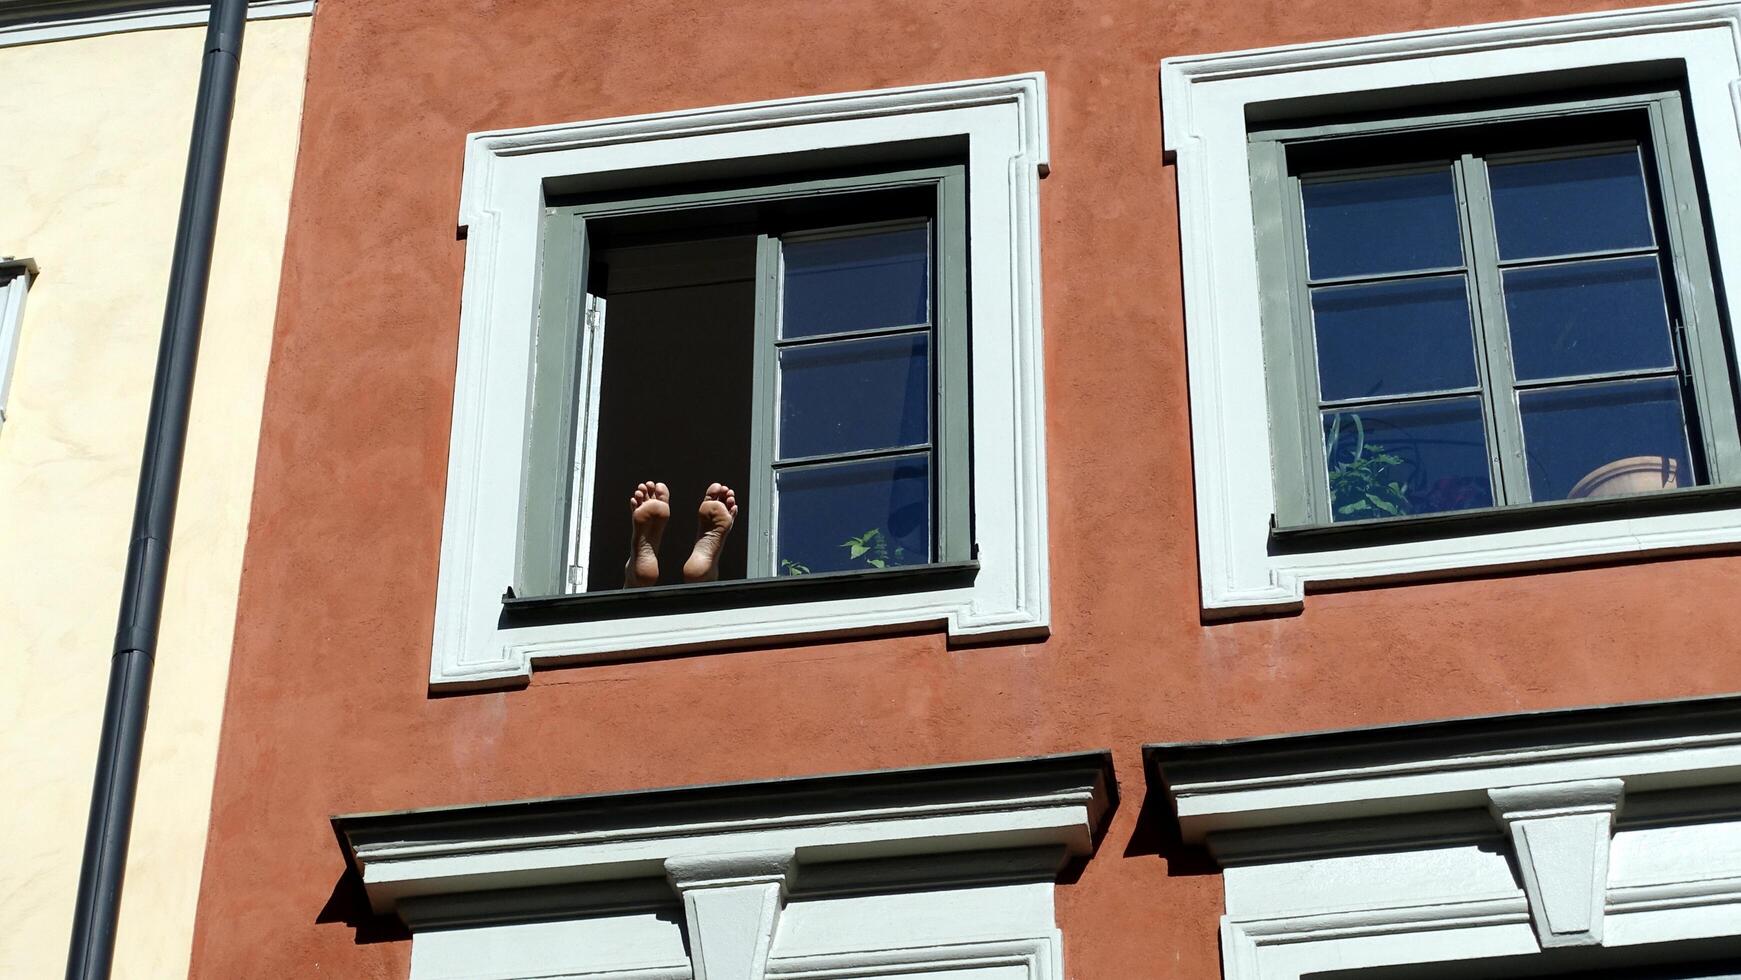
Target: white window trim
[(1003, 123), (752, 866), (1613, 829), (12, 295), (1206, 101)]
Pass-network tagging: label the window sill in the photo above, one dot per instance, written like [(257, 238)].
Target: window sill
[(661, 600), (1485, 520)]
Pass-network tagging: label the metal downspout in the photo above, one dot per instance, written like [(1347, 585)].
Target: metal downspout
[(116, 784)]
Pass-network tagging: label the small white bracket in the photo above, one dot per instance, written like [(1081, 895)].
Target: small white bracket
[(1560, 833), (732, 905)]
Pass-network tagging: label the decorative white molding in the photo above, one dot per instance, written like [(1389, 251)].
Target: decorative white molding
[(948, 868), (1559, 835), (732, 905), (1042, 958), (1002, 122), (1206, 103), (60, 22), (1467, 839), (15, 278)]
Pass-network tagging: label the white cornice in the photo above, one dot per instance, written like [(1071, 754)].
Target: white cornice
[(1026, 92), (1468, 838), (1053, 802), (1179, 73), (60, 22), (1444, 766)]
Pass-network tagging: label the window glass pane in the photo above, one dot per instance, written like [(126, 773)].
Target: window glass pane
[(1602, 440), (856, 282), (1393, 338), (1569, 205), (1587, 318), (851, 395), (1398, 460), (1371, 225), (842, 516)]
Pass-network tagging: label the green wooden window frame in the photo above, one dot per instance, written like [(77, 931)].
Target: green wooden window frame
[(1281, 156), (555, 497)]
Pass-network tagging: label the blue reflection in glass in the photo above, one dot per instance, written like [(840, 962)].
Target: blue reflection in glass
[(1393, 338), (1400, 460), (1570, 205), (836, 517), (857, 282), (852, 395), (1603, 440), (1371, 225), (1587, 318)]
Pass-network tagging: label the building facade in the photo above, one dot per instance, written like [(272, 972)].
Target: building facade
[(1107, 490), (98, 102)]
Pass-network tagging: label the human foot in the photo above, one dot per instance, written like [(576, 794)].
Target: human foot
[(719, 510), (649, 509)]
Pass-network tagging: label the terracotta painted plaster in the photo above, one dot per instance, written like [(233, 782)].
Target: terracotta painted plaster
[(329, 710)]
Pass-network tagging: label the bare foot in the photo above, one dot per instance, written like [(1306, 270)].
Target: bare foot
[(650, 508), (719, 510)]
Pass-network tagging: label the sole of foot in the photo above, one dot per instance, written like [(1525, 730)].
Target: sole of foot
[(649, 509), (713, 523)]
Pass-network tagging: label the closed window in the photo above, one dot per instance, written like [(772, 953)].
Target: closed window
[(1489, 309)]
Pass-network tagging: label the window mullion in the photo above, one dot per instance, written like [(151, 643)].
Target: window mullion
[(1481, 244), (1701, 337), (951, 413), (764, 397), (1302, 494)]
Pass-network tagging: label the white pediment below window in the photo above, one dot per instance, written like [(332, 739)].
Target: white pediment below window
[(943, 871), (1555, 842)]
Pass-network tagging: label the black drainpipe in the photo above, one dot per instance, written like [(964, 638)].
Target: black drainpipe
[(92, 952)]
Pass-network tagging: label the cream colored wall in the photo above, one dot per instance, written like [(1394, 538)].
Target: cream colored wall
[(90, 179)]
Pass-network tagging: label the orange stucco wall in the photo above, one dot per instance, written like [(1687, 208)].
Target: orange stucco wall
[(329, 710)]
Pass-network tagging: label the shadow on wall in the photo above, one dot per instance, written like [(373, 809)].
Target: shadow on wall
[(1157, 833), (349, 904)]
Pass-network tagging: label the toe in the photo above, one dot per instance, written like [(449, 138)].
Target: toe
[(662, 491)]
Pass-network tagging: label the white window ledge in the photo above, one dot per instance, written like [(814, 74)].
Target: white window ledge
[(1001, 125), (1609, 834), (1208, 102), (945, 871)]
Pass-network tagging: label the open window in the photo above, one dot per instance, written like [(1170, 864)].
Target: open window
[(804, 343), (829, 303)]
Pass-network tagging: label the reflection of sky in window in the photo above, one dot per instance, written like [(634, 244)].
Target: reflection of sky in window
[(1416, 458), (1582, 318), (1570, 205), (1393, 338), (856, 282), (1569, 433), (1375, 225), (854, 395), (822, 507)]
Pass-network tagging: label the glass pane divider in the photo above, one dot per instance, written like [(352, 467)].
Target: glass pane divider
[(1409, 398), (853, 457), (1378, 277), (849, 231), (1548, 261), (1604, 378), (845, 335)]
